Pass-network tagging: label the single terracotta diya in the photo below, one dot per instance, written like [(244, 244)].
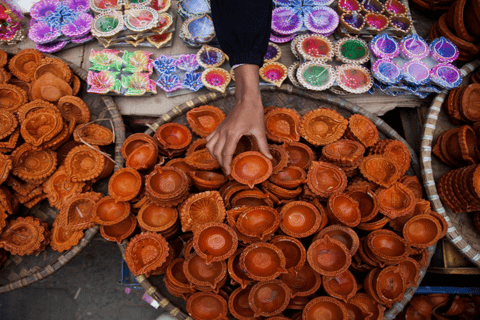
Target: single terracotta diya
[(368, 305), (260, 222), (143, 157), (293, 250), (41, 126), (410, 270), (380, 170), (78, 213), (279, 192), (300, 154), (238, 304), (344, 151), (325, 179), (135, 141), (166, 184), (322, 126), (206, 306), (300, 219), (203, 274), (156, 219), (252, 198), (262, 261), (173, 136), (76, 107), (202, 160), (120, 231), (204, 119), (11, 97), (387, 246), (367, 203), (422, 231), (251, 168), (215, 242), (362, 129), (33, 165), (273, 72), (236, 273), (64, 239), (290, 177), (343, 287), (109, 212), (324, 308), (50, 88), (196, 145), (396, 201), (246, 143), (281, 124), (146, 252), (329, 257), (24, 64), (207, 180), (268, 298), (353, 311), (201, 208), (280, 157), (23, 236), (343, 234), (396, 150), (84, 163), (55, 67), (94, 134), (5, 167), (390, 285), (304, 282), (229, 189), (343, 209), (125, 184)]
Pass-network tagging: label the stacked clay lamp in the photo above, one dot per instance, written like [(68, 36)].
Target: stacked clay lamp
[(332, 225), (441, 306), (460, 25), (48, 149)]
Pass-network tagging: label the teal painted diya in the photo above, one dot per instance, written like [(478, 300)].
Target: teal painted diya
[(316, 75)]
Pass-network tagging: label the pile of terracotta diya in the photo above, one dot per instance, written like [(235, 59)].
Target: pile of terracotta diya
[(330, 214), (48, 149), (461, 25)]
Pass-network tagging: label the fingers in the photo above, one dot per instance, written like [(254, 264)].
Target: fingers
[(211, 142), (228, 151), (218, 148), (263, 145)]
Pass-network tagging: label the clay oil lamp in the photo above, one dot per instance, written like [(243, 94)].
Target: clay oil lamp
[(33, 166), (293, 250), (24, 111), (260, 222), (380, 170), (50, 88), (273, 72), (280, 157), (281, 124), (342, 233), (203, 120), (210, 57), (64, 239), (414, 184), (362, 129), (315, 47), (279, 192), (173, 138), (143, 157), (196, 145), (272, 261), (125, 184), (238, 304), (419, 306), (395, 201), (8, 123), (300, 154), (352, 50), (76, 107), (206, 306), (41, 126), (202, 160), (410, 270), (246, 143), (367, 203), (401, 25), (229, 189), (304, 282), (252, 198), (251, 168), (146, 252), (24, 64), (368, 305), (135, 141), (12, 97), (369, 285), (396, 150), (236, 273), (343, 209), (207, 180), (78, 213), (387, 246), (316, 75), (299, 303), (167, 186), (353, 311), (269, 298), (443, 223), (163, 268), (376, 21), (344, 152), (55, 67), (290, 177), (390, 285), (156, 219), (343, 287), (58, 188), (354, 78), (325, 308), (109, 212), (326, 179), (176, 277), (215, 242), (329, 257), (8, 144), (300, 219), (438, 299), (84, 163), (322, 126), (468, 100), (216, 79), (422, 231), (353, 22), (93, 134), (5, 167), (120, 231), (201, 274), (201, 208), (23, 236)]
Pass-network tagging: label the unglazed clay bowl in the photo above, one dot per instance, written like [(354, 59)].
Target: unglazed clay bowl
[(155, 218), (290, 177), (268, 298), (304, 282), (343, 286), (109, 212), (207, 305), (293, 250), (342, 233), (251, 168), (173, 136), (324, 308), (125, 184), (329, 257), (262, 261), (300, 154), (120, 231), (215, 241), (281, 124), (300, 219), (203, 120), (258, 222)]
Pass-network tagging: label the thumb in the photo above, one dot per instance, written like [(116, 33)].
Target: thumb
[(263, 145)]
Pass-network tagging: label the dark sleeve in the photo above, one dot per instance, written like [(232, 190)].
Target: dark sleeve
[(243, 28)]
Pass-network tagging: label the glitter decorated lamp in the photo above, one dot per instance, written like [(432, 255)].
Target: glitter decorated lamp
[(416, 72), (273, 72), (316, 75), (273, 53), (210, 57), (141, 19), (277, 38), (384, 47), (216, 79), (443, 50), (187, 62), (192, 81), (191, 8), (395, 8), (344, 6), (353, 22), (286, 21), (107, 24), (352, 50), (386, 71), (197, 30), (11, 29), (103, 82), (322, 20), (372, 6), (446, 75), (354, 78), (138, 84), (165, 64), (414, 47), (400, 25), (169, 82), (376, 21), (315, 47)]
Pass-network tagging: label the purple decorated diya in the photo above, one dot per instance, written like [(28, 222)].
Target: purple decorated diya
[(372, 6), (285, 21), (210, 57), (443, 50), (395, 7), (414, 47), (41, 33), (386, 71), (416, 72), (315, 47), (323, 20), (446, 75), (51, 46), (401, 25), (353, 22), (273, 53), (216, 79), (276, 38), (273, 72), (384, 46), (354, 78), (80, 27), (169, 82), (187, 62), (348, 6)]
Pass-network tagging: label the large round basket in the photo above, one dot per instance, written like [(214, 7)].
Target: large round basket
[(19, 272), (302, 102), (461, 232)]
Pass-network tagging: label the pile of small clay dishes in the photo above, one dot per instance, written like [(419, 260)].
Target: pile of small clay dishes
[(331, 225), (48, 149)]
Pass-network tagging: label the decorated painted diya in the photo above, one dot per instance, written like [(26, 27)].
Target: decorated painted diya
[(322, 20), (372, 6), (443, 50), (285, 21), (384, 47), (348, 6), (210, 57), (352, 50), (414, 47), (274, 37), (292, 74), (273, 52), (395, 7), (386, 71), (316, 75), (354, 78), (353, 22), (216, 79), (107, 24), (416, 72), (446, 75), (273, 72), (378, 22), (400, 25), (315, 47)]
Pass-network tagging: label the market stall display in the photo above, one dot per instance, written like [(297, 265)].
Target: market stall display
[(12, 29)]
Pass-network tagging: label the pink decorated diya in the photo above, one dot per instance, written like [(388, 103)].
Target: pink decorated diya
[(354, 78), (315, 47), (216, 79), (273, 72)]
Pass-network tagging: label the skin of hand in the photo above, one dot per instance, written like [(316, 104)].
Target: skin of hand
[(245, 119)]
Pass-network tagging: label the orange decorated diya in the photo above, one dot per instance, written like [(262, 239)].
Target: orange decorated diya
[(11, 97), (204, 119), (215, 241), (322, 126), (156, 219), (58, 188), (76, 107), (64, 239), (380, 170), (54, 67), (282, 124), (207, 180), (50, 88), (396, 200), (362, 129), (173, 137), (5, 167), (202, 160), (93, 134), (78, 213), (166, 186), (146, 252), (24, 64), (344, 210), (84, 163), (33, 165), (251, 168), (344, 152), (8, 123), (300, 154), (202, 208), (290, 177), (395, 150), (41, 126), (23, 236), (280, 157)]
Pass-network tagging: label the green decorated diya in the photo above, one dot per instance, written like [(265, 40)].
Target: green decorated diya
[(352, 50), (316, 75)]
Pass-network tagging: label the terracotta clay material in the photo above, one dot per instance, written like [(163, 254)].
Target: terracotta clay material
[(395, 150), (207, 180), (343, 209), (204, 119), (64, 239), (3, 58), (368, 204), (410, 270), (125, 184), (293, 250), (146, 252), (5, 167), (156, 219), (58, 188), (206, 306), (84, 163), (93, 134), (262, 261), (12, 97), (325, 308), (387, 246), (290, 177), (78, 213), (173, 136), (196, 145), (300, 154), (24, 64), (380, 170), (329, 257), (166, 185), (260, 222), (344, 151), (390, 285), (236, 273), (280, 157), (202, 160), (246, 143), (422, 231), (41, 126), (362, 129), (251, 168), (135, 141), (143, 157), (199, 273), (396, 200), (325, 179), (109, 212), (303, 282), (55, 67), (50, 88), (33, 165), (282, 124), (201, 208), (300, 219), (8, 123), (368, 305), (341, 233), (23, 236), (215, 242), (238, 304), (120, 231), (322, 126), (269, 298), (343, 287), (414, 184)]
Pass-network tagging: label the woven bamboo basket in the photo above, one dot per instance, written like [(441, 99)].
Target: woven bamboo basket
[(302, 102), (19, 272), (461, 232)]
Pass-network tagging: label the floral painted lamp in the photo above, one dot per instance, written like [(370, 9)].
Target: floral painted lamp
[(11, 28)]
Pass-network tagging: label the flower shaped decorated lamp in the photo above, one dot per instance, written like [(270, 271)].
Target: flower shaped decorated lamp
[(414, 47), (103, 82), (165, 64), (316, 75), (169, 82), (286, 21), (187, 62), (138, 84), (11, 29)]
